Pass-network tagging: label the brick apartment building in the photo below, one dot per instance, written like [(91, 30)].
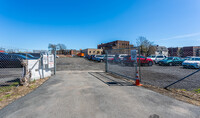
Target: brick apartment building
[(118, 44), (175, 51), (191, 51), (184, 51)]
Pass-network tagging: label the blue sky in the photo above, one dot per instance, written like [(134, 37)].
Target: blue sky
[(85, 23)]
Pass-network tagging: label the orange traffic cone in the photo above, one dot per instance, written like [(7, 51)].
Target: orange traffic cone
[(137, 82)]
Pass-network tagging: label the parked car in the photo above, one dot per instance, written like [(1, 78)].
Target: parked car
[(156, 58), (142, 60), (99, 58), (193, 62), (119, 57), (92, 57), (187, 58), (7, 61), (89, 57), (110, 58), (152, 57), (171, 61), (26, 55), (21, 57)]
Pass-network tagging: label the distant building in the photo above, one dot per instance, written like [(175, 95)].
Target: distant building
[(92, 51), (40, 51), (175, 51), (118, 44), (68, 52), (161, 50), (158, 50), (191, 51)]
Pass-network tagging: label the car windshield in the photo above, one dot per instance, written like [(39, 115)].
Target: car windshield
[(100, 56), (123, 55), (159, 56), (110, 56), (194, 59), (140, 57), (168, 58)]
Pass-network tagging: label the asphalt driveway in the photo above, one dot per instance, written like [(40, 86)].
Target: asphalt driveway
[(79, 94)]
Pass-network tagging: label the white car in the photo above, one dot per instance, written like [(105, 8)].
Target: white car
[(156, 58), (99, 58), (152, 57), (193, 62)]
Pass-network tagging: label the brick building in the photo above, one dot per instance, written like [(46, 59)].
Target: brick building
[(68, 52), (191, 51), (118, 44), (175, 51)]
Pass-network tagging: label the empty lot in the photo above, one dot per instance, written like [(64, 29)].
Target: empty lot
[(161, 75), (156, 75), (78, 64)]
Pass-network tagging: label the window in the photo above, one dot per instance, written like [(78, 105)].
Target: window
[(98, 52), (90, 52), (93, 51)]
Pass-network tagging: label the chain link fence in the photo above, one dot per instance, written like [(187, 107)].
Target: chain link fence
[(118, 61), (176, 68), (21, 66)]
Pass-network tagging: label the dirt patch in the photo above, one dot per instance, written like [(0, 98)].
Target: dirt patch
[(192, 97), (13, 92)]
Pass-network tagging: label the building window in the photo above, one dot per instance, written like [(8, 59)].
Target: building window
[(93, 51), (98, 52), (90, 52)]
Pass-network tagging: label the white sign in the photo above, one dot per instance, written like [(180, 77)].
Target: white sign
[(45, 61), (134, 55), (51, 61)]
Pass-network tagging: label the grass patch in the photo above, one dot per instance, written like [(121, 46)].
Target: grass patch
[(8, 88), (197, 90), (32, 86), (183, 89)]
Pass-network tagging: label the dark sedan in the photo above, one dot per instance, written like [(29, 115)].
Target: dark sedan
[(11, 60)]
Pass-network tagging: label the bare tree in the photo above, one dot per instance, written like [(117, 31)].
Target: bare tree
[(145, 45), (54, 47), (61, 46)]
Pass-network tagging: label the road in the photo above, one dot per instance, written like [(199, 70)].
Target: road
[(94, 94)]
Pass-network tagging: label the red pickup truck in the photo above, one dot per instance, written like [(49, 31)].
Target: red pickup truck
[(143, 61)]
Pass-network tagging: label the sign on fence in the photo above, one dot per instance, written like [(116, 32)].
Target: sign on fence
[(134, 55), (45, 61), (51, 61)]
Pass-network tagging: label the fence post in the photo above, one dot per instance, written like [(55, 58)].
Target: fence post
[(139, 64), (106, 65), (54, 62)]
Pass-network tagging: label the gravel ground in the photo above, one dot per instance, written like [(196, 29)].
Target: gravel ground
[(161, 76), (77, 63), (9, 74)]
